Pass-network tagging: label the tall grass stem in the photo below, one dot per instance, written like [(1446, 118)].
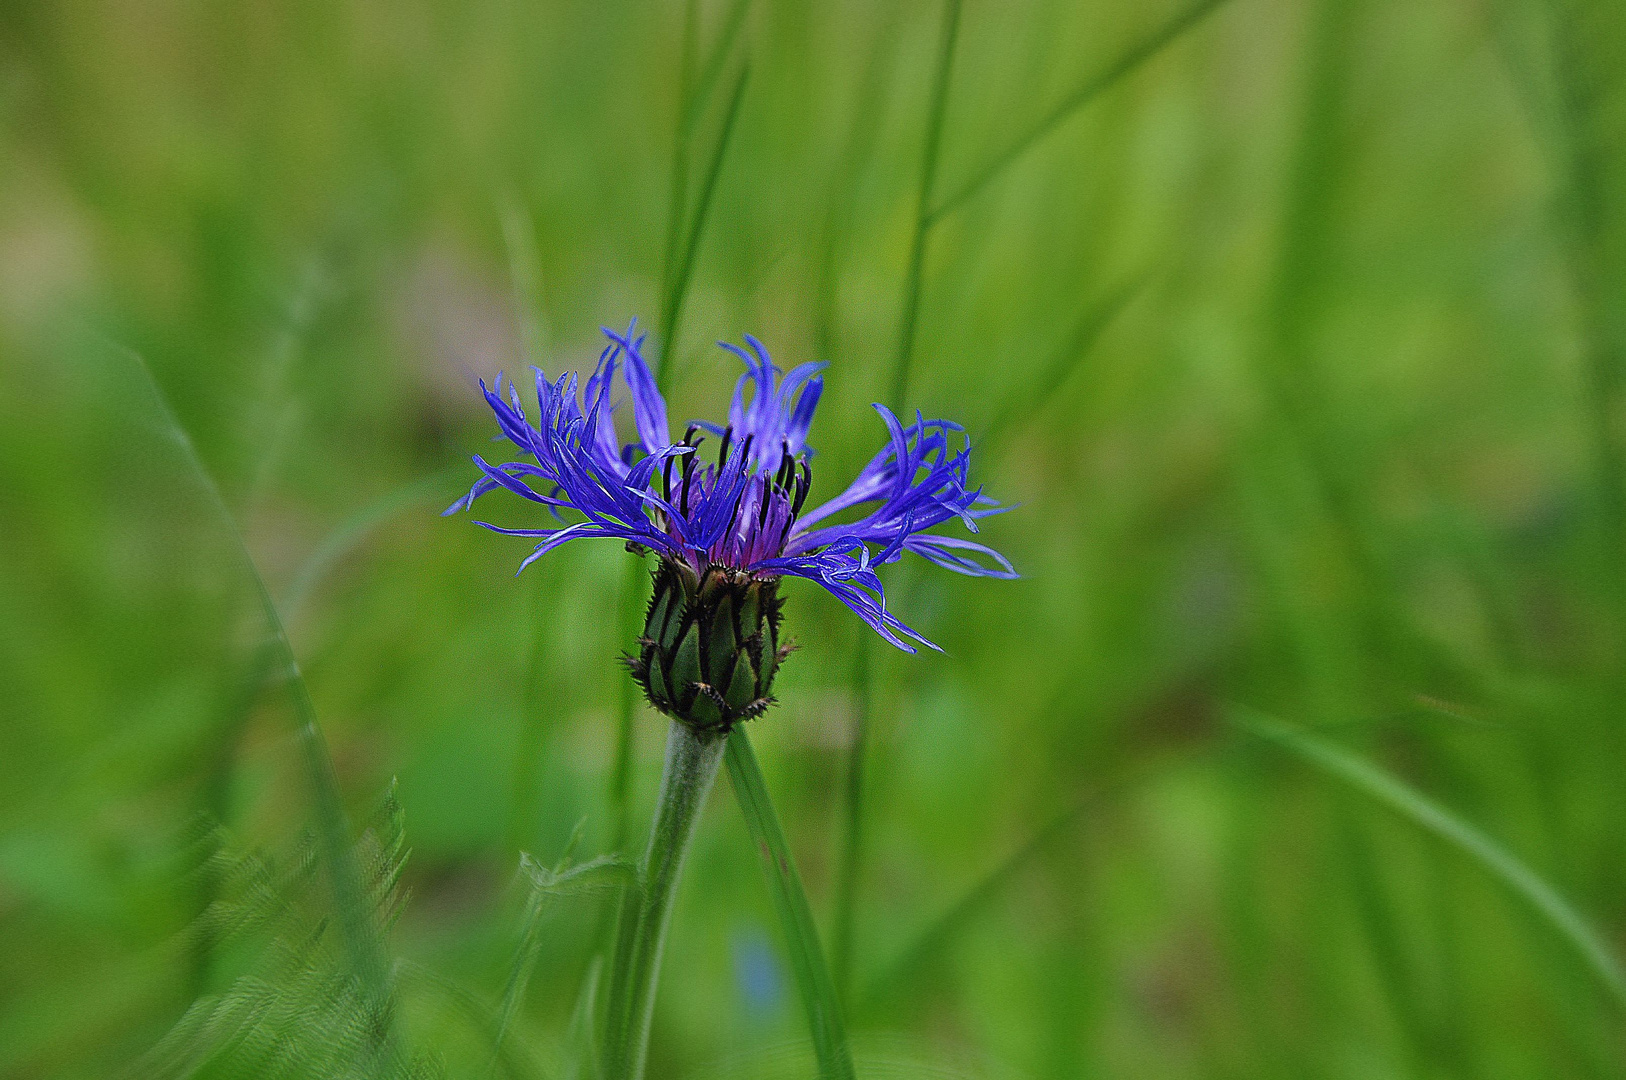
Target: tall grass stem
[(672, 308)]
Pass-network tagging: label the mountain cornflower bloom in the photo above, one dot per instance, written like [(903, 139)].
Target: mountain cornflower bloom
[(726, 530)]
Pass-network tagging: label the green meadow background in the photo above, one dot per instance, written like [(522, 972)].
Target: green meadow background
[(1296, 328)]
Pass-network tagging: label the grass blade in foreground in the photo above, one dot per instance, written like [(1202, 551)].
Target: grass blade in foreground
[(360, 936), (801, 936), (1421, 811)]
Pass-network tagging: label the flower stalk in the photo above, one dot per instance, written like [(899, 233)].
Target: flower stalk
[(693, 757)]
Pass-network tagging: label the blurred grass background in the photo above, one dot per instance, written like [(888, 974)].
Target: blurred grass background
[(1302, 345)]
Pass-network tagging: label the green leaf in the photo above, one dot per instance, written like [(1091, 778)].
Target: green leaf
[(818, 992), (1500, 863)]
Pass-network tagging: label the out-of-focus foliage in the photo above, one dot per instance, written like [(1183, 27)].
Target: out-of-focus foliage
[(1302, 345)]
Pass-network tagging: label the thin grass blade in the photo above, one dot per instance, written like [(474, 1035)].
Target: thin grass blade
[(909, 318), (544, 886), (1068, 357), (349, 533), (936, 936), (1496, 860), (694, 91), (1081, 96), (679, 195), (818, 992), (857, 153)]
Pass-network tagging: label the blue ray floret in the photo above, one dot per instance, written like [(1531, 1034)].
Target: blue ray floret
[(742, 513)]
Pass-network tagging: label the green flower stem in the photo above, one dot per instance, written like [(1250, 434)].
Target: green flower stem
[(692, 762)]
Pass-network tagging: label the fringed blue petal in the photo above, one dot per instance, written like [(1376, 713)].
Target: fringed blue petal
[(742, 511)]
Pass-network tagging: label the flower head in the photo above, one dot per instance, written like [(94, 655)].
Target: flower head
[(741, 514)]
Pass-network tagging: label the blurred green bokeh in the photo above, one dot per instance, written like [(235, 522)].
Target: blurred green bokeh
[(1302, 346)]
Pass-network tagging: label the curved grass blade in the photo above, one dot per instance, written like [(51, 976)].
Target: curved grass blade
[(1496, 860), (355, 920), (1081, 96), (353, 530), (818, 993)]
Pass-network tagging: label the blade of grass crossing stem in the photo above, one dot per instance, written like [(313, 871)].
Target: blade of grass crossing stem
[(801, 936), (941, 930), (909, 317), (1081, 96), (672, 308), (360, 937), (1067, 358), (1426, 814)]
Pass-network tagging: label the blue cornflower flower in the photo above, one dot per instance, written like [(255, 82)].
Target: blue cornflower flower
[(727, 531)]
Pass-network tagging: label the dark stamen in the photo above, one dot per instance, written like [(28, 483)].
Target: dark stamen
[(688, 473), (734, 514), (666, 479), (722, 453), (804, 484), (762, 511)]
